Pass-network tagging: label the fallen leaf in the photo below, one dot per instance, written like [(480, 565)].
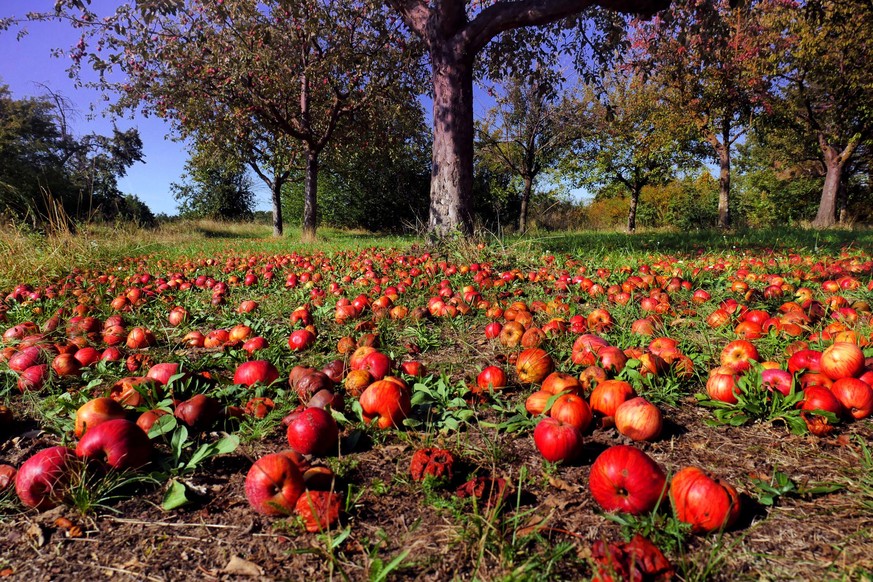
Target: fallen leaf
[(242, 567), (36, 532), (559, 483)]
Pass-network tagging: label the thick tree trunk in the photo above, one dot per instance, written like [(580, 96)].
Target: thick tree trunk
[(310, 196), (828, 204), (632, 211), (276, 192), (525, 202), (451, 185), (843, 204), (724, 186)]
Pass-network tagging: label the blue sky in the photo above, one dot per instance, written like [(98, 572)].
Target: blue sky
[(28, 62)]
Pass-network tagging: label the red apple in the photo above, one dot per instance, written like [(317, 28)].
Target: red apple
[(491, 378), (533, 365), (557, 441), (42, 479), (161, 373), (776, 379), (119, 442), (607, 396), (638, 419), (26, 358), (737, 354), (805, 359), (198, 412), (87, 356), (385, 402), (254, 344), (33, 378), (707, 503), (301, 339), (95, 412), (273, 484), (313, 432), (377, 363), (855, 395), (254, 372), (722, 384), (573, 410), (493, 329), (842, 360), (624, 478)]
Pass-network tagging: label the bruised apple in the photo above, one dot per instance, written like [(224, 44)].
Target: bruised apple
[(533, 365), (119, 442)]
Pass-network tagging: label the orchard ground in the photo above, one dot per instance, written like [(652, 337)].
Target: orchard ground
[(807, 501)]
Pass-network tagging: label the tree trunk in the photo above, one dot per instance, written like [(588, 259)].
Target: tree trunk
[(632, 211), (843, 197), (276, 191), (525, 201), (451, 185), (828, 205), (724, 186), (310, 199)]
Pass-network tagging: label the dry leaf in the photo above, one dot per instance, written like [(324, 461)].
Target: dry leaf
[(35, 531), (559, 483), (242, 567)]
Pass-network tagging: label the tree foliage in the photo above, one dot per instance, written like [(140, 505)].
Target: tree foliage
[(216, 187), (705, 59), (626, 135), (823, 82), (525, 134), (51, 178)]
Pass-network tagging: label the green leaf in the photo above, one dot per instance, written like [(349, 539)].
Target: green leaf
[(225, 445), (175, 495), (163, 425)]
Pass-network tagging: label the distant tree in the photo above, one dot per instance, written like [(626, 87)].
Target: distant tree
[(216, 188), (626, 134), (525, 133), (455, 34), (298, 69), (705, 58), (820, 51), (50, 177)]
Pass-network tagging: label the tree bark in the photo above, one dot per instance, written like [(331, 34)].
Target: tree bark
[(632, 211), (828, 205), (310, 196), (451, 184), (525, 202), (276, 192), (724, 187)]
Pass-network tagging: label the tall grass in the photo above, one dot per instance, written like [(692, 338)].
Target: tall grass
[(29, 257)]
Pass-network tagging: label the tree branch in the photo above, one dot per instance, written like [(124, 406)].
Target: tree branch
[(505, 16), (414, 13)]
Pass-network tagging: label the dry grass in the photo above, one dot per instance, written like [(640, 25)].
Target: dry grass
[(36, 258)]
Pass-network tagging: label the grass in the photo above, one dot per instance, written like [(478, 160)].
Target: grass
[(28, 257)]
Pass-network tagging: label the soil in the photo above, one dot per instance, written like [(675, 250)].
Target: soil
[(809, 537)]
